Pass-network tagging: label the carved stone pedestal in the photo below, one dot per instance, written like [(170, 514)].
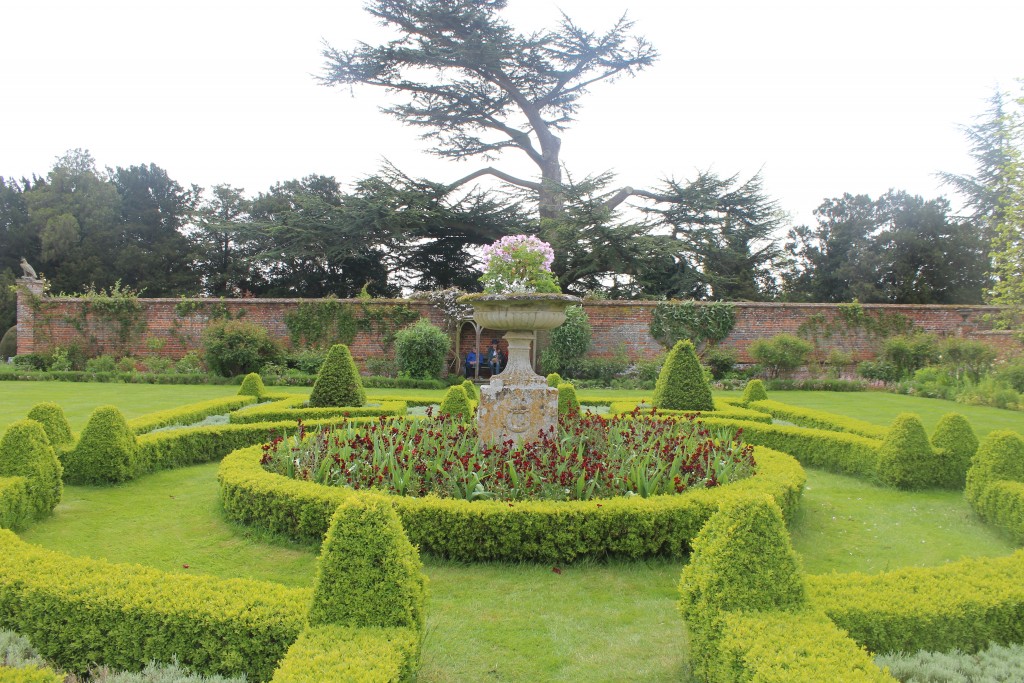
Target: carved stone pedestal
[(518, 403)]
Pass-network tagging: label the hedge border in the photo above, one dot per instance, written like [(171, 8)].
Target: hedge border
[(490, 530), (722, 410), (79, 611), (186, 415), (820, 419), (355, 655), (15, 505)]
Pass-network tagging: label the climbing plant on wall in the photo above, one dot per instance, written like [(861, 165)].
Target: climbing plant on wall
[(704, 324), (322, 323)]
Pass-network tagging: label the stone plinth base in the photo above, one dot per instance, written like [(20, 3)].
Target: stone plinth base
[(516, 412)]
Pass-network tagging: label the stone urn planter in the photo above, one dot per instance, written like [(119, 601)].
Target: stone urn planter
[(518, 403)]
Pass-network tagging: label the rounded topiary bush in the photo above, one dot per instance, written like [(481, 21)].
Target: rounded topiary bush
[(554, 379), (754, 391), (472, 390), (781, 354), (235, 348), (955, 444), (1000, 457), (567, 400), (252, 385), (456, 404), (906, 459), (55, 424), (742, 559), (106, 451), (421, 350), (369, 574), (25, 451), (338, 382), (682, 384)]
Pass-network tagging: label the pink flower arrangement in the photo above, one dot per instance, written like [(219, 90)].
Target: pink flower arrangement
[(519, 264)]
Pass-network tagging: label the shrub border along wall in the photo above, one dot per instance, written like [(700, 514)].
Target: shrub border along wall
[(538, 531)]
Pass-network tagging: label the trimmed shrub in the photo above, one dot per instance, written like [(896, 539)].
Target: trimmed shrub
[(338, 382), (456, 404), (15, 504), (106, 451), (554, 379), (55, 424), (954, 442), (30, 674), (781, 354), (681, 383), (421, 350), (742, 560), (472, 390), (754, 391), (1000, 457), (26, 452), (235, 348), (908, 353), (339, 653), (906, 459), (790, 647), (965, 604), (720, 361), (369, 574), (567, 401), (79, 612), (252, 385)]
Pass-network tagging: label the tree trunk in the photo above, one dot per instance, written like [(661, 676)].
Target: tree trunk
[(552, 199)]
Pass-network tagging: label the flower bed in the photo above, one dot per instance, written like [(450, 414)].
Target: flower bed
[(587, 458)]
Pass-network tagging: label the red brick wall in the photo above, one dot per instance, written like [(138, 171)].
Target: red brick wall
[(616, 325)]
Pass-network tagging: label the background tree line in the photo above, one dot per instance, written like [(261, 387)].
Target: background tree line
[(491, 90)]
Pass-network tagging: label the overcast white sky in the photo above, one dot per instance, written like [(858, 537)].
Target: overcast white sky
[(827, 96)]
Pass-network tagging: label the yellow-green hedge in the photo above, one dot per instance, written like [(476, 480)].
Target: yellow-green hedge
[(354, 655), (28, 674), (820, 419), (722, 410), (274, 412), (79, 611), (189, 414), (1002, 504), (790, 647), (832, 451), (491, 530), (964, 604)]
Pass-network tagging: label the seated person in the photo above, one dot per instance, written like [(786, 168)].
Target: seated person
[(471, 364)]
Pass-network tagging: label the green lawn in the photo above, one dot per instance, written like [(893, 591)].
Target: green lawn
[(587, 621)]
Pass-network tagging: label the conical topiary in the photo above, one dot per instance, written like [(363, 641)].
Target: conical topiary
[(1000, 457), (25, 451), (456, 404), (338, 382), (106, 451), (742, 559), (252, 385), (567, 400), (955, 444), (369, 574), (682, 384), (472, 390), (754, 391), (906, 459), (55, 424)]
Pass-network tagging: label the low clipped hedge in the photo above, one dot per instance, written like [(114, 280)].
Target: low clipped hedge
[(995, 481), (833, 451), (275, 412), (819, 419), (186, 415), (29, 674), (333, 652), (490, 530), (964, 604), (79, 611), (791, 647), (722, 410), (25, 451)]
